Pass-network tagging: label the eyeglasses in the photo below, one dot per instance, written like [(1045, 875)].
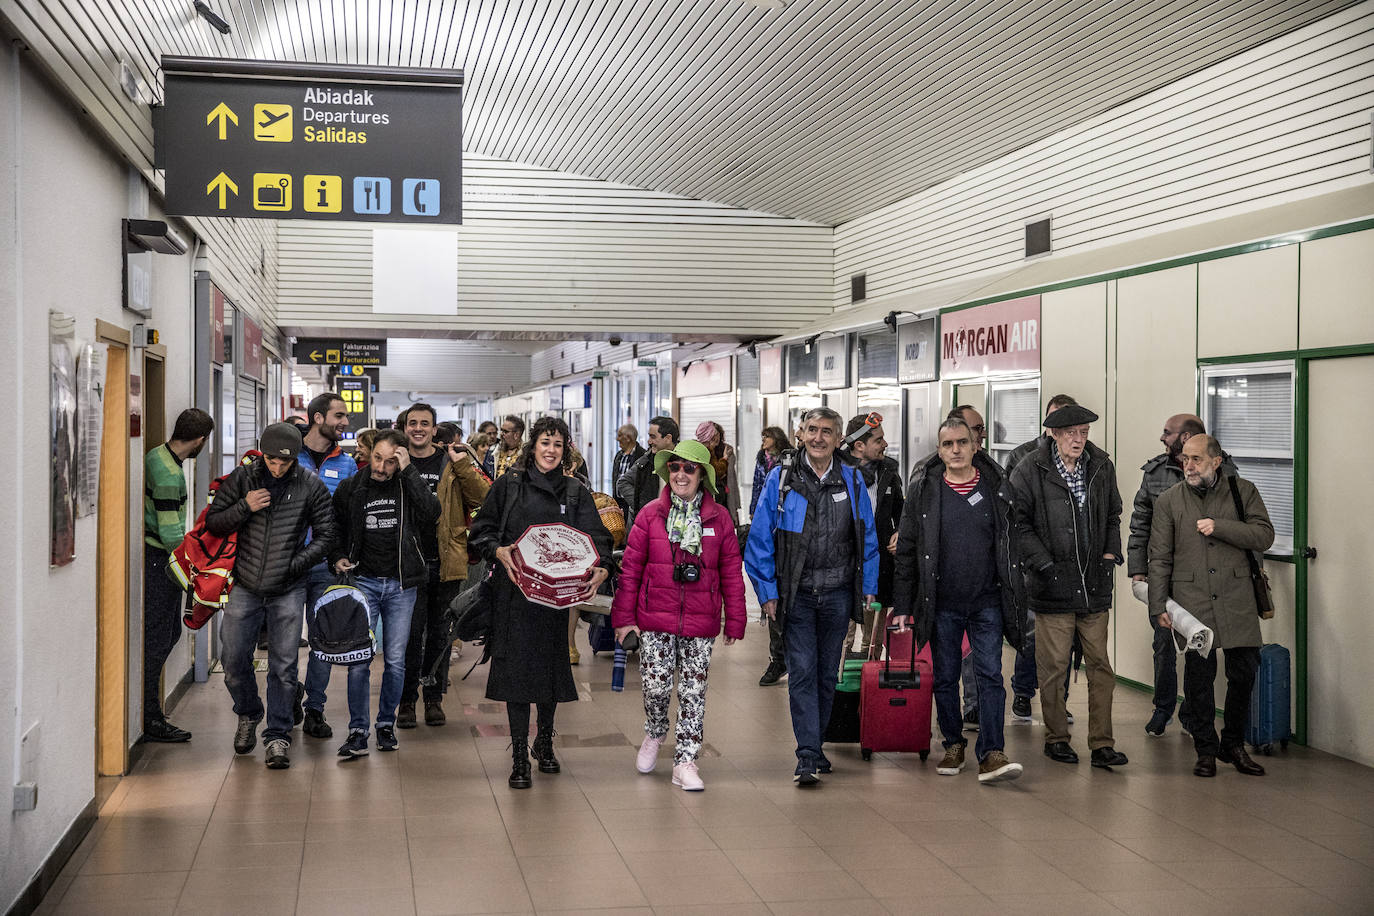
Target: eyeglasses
[(980, 429), (683, 467)]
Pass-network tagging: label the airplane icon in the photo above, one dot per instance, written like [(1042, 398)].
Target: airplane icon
[(272, 123)]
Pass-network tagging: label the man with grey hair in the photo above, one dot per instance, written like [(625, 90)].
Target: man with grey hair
[(1200, 532), (813, 557), (627, 437)]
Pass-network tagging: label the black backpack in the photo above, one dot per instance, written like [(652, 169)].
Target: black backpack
[(339, 629)]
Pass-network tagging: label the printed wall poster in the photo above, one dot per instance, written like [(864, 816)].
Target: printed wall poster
[(90, 420), (63, 430)]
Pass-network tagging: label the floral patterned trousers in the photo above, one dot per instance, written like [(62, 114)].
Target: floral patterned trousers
[(660, 655)]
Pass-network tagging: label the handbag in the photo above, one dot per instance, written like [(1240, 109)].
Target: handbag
[(1264, 597)]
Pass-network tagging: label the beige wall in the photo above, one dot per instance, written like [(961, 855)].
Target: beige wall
[(1337, 276), (1248, 303)]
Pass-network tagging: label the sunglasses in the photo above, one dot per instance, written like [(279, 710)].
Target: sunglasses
[(683, 467)]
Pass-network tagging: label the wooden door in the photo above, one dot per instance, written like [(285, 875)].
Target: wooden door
[(112, 572)]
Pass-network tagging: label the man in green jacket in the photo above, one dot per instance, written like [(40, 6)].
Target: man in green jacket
[(164, 525), (1198, 543)]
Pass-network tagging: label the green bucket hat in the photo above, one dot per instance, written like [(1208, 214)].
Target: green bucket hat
[(690, 450)]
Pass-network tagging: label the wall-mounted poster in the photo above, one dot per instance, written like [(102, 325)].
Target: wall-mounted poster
[(918, 351), (90, 419), (63, 433), (770, 371), (832, 362)]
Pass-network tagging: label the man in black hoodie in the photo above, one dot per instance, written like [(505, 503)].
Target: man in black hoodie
[(271, 504)]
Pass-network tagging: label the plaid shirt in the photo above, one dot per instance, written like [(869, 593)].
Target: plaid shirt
[(1077, 478)]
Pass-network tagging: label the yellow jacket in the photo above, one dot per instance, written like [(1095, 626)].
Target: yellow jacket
[(462, 490)]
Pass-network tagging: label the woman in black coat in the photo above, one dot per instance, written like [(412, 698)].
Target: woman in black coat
[(529, 642)]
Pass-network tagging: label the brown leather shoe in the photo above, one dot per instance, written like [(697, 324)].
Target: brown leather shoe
[(1239, 759), (1206, 766)]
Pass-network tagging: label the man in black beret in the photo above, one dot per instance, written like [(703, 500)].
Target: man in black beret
[(1068, 517)]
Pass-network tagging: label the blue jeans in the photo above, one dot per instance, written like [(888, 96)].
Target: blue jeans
[(244, 615), (392, 605), (984, 628), (316, 671), (813, 641)]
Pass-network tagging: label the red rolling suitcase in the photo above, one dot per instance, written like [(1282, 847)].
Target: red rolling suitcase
[(895, 698)]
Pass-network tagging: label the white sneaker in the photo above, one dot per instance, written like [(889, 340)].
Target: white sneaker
[(686, 775), (648, 754)]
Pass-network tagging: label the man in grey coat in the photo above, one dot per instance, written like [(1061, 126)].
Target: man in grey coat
[(1159, 474), (1198, 543)]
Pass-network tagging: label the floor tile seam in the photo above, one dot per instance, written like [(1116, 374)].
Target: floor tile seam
[(1212, 890)]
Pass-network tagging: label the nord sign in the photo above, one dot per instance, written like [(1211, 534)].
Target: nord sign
[(271, 140)]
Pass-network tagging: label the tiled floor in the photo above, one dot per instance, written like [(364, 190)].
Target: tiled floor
[(434, 828)]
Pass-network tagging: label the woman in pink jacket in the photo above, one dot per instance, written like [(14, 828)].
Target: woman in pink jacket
[(681, 568)]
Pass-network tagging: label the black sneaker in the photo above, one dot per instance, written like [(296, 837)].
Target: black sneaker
[(823, 764), (164, 732), (315, 726), (775, 672), (971, 720), (386, 738), (1155, 727), (405, 716), (298, 711), (355, 746), (1020, 709), (805, 775), (276, 754), (246, 735)]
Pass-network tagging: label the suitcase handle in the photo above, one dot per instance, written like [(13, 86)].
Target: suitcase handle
[(887, 652)]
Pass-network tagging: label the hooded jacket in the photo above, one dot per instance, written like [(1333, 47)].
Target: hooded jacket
[(272, 553), (646, 595), (1062, 546), (779, 539), (916, 584), (419, 508)]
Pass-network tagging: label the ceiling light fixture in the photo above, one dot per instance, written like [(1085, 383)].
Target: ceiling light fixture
[(210, 16), (772, 6)]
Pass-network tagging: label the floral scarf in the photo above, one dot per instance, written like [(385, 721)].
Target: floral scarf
[(684, 523)]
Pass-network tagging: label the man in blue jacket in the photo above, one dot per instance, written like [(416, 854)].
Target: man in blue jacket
[(321, 455), (813, 557)]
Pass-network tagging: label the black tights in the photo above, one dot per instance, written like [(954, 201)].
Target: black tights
[(518, 714)]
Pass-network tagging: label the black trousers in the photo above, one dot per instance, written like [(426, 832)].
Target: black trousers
[(775, 645), (162, 599), (1199, 696), (518, 715), (428, 642)]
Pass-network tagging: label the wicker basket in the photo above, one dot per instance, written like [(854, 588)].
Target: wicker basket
[(611, 516)]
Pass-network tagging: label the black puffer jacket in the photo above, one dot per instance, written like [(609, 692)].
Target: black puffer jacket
[(419, 510), (1062, 546), (887, 515), (916, 583), (272, 553)]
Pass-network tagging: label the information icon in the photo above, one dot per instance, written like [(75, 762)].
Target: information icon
[(420, 197), (271, 191), (322, 193)]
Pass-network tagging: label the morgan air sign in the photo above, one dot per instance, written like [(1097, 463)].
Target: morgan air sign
[(272, 140), (995, 339)]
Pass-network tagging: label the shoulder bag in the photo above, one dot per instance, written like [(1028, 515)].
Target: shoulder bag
[(1264, 598)]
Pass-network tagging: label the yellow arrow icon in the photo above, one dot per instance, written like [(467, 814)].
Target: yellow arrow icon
[(224, 185), (316, 355), (225, 114)]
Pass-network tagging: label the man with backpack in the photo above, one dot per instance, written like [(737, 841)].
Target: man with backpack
[(270, 503), (381, 514), (164, 525), (322, 456)]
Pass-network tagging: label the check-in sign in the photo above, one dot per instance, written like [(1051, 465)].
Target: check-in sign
[(326, 352), (311, 141)]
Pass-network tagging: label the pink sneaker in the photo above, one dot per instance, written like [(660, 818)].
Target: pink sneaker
[(686, 775), (648, 754)]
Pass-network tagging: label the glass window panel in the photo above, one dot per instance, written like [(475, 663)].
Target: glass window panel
[(1249, 409)]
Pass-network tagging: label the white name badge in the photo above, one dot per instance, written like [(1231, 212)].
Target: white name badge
[(708, 532), (330, 472), (975, 499), (840, 496)]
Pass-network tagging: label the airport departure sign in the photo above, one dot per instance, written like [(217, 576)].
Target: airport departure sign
[(319, 351), (266, 140)]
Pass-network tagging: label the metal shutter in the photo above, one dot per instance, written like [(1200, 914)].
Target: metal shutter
[(246, 419), (717, 407)]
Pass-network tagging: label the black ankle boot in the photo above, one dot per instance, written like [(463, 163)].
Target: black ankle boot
[(542, 751), (520, 764)]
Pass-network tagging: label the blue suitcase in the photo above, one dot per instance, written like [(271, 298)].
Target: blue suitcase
[(1269, 704)]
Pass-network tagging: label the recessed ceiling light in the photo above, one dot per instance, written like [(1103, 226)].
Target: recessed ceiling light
[(771, 6)]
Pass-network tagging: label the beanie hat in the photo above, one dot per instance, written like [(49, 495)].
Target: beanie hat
[(688, 451), (280, 440), (706, 432)]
